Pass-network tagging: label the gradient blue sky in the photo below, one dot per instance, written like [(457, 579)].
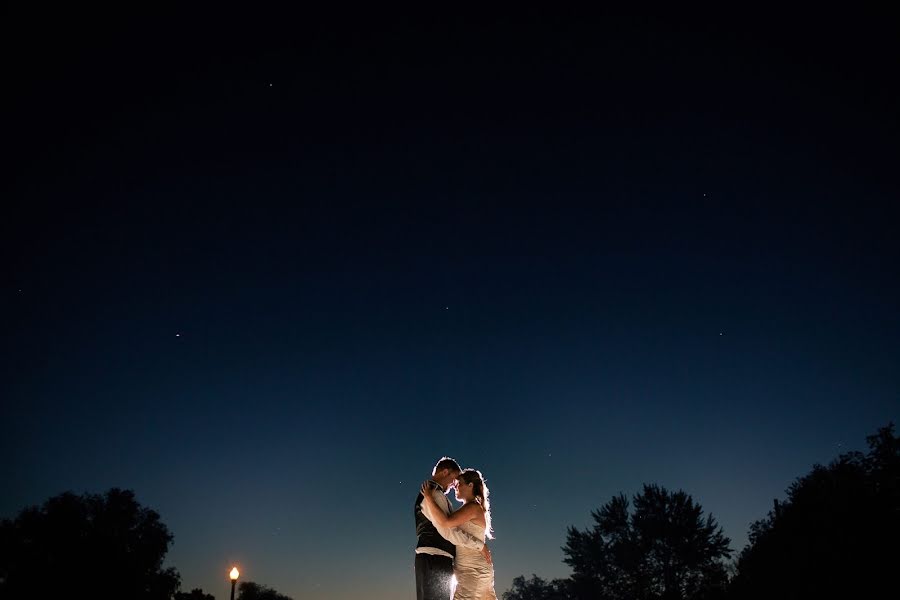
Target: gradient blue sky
[(266, 271)]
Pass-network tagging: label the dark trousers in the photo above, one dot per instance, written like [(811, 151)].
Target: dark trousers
[(433, 577)]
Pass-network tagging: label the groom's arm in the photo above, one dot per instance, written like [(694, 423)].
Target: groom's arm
[(453, 534)]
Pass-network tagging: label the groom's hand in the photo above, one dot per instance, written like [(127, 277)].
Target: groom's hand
[(426, 488)]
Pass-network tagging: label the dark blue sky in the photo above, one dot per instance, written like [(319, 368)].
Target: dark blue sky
[(257, 261)]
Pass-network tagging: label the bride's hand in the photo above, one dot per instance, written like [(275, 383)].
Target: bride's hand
[(487, 555)]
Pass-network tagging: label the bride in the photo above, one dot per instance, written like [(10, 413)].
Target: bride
[(474, 574)]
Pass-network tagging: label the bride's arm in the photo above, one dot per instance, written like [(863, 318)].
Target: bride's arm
[(455, 535), (463, 515), (438, 517)]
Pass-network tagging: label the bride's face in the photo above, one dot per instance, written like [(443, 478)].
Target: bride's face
[(464, 491)]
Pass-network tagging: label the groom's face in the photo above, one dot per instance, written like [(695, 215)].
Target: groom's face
[(446, 478)]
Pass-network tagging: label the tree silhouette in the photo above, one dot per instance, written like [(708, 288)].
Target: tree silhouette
[(835, 535), (248, 590), (539, 589), (109, 543), (664, 549), (195, 594)]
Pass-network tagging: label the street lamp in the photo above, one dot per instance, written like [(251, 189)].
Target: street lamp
[(234, 575)]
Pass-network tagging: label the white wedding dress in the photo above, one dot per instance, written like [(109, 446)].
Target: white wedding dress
[(474, 574)]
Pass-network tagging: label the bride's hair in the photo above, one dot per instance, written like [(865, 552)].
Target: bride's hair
[(482, 496)]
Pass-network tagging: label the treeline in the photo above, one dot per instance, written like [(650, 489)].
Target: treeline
[(100, 546), (834, 535)]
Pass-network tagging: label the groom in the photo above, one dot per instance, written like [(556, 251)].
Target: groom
[(434, 554)]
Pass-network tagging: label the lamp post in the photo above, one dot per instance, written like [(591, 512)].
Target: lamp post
[(234, 576)]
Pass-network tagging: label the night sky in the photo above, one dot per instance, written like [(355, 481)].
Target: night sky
[(265, 269)]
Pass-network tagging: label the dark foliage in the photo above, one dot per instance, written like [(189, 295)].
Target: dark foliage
[(539, 589), (108, 542), (664, 549), (195, 594), (835, 535), (248, 590)]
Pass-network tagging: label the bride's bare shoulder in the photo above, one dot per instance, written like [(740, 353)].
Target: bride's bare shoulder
[(475, 512), (472, 510)]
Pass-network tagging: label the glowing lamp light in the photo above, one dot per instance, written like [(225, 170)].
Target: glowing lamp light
[(234, 575)]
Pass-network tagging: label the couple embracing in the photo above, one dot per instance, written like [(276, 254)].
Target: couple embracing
[(453, 542)]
